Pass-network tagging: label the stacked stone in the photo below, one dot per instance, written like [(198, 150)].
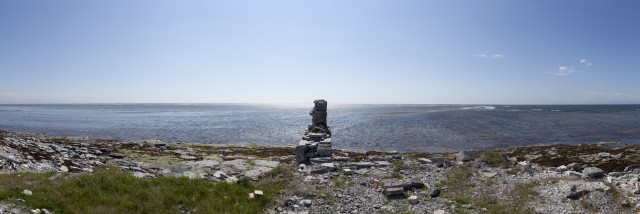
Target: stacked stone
[(315, 146)]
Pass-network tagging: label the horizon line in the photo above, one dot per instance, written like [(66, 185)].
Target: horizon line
[(285, 103)]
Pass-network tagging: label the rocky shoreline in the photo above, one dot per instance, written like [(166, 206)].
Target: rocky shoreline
[(597, 178)]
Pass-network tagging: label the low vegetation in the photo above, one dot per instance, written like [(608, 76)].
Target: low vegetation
[(494, 158), (464, 189), (109, 190)]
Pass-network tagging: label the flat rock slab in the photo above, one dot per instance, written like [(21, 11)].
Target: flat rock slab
[(256, 172), (383, 163), (237, 164), (394, 191), (391, 183), (489, 174), (321, 160), (266, 163), (202, 163), (361, 165), (188, 157)]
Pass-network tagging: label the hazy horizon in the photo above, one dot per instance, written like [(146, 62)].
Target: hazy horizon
[(363, 52)]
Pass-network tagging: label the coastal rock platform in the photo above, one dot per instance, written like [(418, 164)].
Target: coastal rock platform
[(591, 178)]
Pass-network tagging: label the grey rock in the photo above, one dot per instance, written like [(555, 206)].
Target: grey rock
[(376, 158), (434, 193), (306, 203), (64, 168), (387, 183), (383, 163), (574, 167), (256, 172), (301, 150), (202, 164), (116, 155), (631, 167), (561, 168), (468, 155), (489, 174), (321, 160), (424, 161), (188, 157), (328, 165), (418, 185), (413, 199), (220, 174), (364, 165), (323, 150), (267, 163), (592, 172), (393, 191), (343, 159), (236, 164), (362, 171)]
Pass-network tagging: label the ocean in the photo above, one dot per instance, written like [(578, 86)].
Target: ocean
[(403, 128)]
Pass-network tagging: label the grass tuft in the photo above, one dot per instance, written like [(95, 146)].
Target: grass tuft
[(494, 158)]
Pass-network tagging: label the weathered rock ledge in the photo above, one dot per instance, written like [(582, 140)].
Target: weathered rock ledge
[(598, 178)]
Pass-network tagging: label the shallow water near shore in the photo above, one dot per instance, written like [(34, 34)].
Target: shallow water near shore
[(405, 128)]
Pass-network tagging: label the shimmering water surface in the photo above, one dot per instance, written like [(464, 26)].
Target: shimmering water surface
[(424, 128)]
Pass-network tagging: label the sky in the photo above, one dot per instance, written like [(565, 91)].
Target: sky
[(369, 51)]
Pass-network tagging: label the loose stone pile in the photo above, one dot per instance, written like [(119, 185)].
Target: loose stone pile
[(315, 146)]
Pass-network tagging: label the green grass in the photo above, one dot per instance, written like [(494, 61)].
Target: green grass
[(108, 190), (494, 158)]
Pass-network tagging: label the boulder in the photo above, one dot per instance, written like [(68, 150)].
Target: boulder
[(468, 155), (592, 172), (434, 193), (418, 185)]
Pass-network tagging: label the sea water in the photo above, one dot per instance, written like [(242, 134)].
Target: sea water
[(405, 128)]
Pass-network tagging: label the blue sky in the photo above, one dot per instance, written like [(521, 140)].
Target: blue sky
[(414, 52)]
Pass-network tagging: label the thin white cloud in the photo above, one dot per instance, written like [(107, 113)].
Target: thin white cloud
[(585, 62), (492, 56), (565, 70)]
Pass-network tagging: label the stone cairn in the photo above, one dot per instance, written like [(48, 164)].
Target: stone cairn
[(315, 146)]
